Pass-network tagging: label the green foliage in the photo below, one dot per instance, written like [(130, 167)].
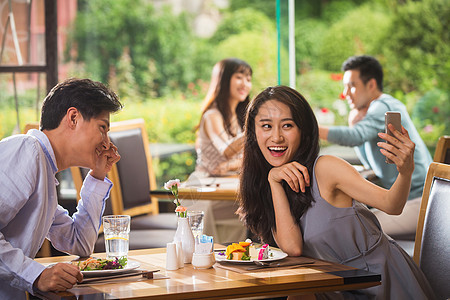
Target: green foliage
[(359, 32), (303, 8), (334, 11), (146, 53), (173, 51), (167, 120), (202, 61), (431, 113), (309, 35), (178, 166), (104, 28), (8, 120), (246, 19), (122, 80), (416, 46), (266, 7), (250, 35), (322, 91), (8, 115), (259, 50)]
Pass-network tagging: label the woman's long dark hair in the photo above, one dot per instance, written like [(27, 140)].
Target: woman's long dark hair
[(256, 206), (219, 93)]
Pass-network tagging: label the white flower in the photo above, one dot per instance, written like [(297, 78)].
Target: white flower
[(169, 184)]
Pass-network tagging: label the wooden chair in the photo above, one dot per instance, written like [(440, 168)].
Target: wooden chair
[(133, 178), (431, 250), (31, 125), (138, 239), (442, 153)]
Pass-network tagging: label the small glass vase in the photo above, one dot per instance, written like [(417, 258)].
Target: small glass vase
[(184, 234)]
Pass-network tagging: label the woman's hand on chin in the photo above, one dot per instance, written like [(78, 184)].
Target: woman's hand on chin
[(295, 174)]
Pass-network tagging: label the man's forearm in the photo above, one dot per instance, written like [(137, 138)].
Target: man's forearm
[(323, 133)]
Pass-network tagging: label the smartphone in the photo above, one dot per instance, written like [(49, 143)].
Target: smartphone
[(394, 118)]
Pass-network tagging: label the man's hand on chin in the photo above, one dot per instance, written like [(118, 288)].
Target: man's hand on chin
[(106, 159), (356, 115)]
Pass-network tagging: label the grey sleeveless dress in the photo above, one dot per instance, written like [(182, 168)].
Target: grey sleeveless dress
[(352, 236)]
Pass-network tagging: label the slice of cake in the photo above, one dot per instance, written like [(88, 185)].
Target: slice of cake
[(263, 252), (253, 252)]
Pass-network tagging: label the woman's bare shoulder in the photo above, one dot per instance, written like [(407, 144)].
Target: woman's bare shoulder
[(331, 166), (212, 113)]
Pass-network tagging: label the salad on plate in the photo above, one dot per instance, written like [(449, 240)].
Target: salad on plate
[(95, 264)]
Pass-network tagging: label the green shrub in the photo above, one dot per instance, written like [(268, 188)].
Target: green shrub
[(104, 28), (359, 32), (260, 51), (167, 120), (27, 103), (322, 91), (179, 166), (238, 21), (334, 11), (8, 120), (309, 36), (416, 46), (431, 116)]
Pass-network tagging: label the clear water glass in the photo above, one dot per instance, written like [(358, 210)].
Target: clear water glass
[(116, 229), (195, 219)]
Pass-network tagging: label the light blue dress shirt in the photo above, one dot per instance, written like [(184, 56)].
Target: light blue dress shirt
[(364, 137), (29, 211)]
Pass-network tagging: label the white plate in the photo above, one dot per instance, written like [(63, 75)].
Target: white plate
[(131, 265), (273, 255)]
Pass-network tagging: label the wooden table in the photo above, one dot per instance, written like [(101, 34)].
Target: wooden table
[(223, 188), (211, 188), (216, 283)]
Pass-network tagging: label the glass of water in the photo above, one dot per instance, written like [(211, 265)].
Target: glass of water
[(116, 229), (195, 219)]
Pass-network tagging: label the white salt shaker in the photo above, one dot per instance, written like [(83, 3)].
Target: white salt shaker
[(171, 257), (180, 255)]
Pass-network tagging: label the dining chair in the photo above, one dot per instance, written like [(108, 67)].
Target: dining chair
[(134, 178), (138, 239), (431, 250), (442, 153), (31, 125)]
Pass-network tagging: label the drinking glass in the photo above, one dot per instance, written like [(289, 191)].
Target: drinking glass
[(116, 229), (195, 219)]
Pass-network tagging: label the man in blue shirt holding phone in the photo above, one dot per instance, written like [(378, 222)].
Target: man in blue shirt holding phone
[(363, 89)]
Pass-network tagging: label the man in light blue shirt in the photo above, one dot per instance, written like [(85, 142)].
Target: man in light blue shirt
[(73, 132), (363, 89)]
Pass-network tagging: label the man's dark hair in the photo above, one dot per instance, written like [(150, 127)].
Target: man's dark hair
[(91, 98), (369, 67)]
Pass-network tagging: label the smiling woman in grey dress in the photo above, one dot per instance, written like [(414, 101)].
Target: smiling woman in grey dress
[(352, 236), (323, 215)]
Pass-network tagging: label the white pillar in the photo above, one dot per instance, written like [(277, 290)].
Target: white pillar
[(292, 64)]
